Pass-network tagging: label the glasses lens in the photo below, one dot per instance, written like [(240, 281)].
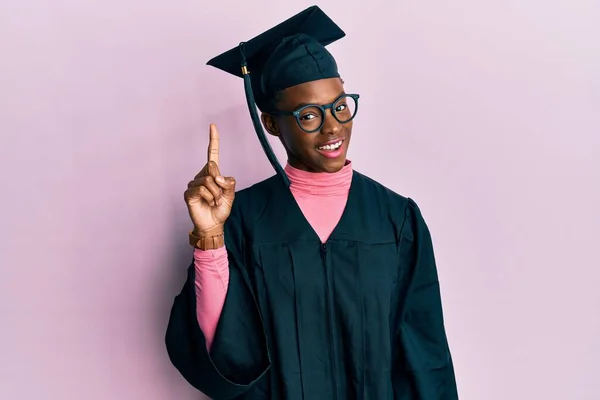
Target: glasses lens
[(310, 118), (345, 108)]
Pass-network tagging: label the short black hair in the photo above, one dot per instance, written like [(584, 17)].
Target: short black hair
[(272, 101)]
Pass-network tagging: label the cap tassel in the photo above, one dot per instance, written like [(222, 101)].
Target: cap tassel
[(256, 120)]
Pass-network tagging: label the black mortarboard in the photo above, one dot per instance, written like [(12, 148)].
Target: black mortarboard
[(289, 54)]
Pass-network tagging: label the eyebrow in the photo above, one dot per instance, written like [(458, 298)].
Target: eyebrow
[(343, 92)]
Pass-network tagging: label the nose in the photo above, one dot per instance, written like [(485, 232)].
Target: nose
[(331, 126)]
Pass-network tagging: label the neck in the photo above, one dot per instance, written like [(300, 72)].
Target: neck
[(320, 183)]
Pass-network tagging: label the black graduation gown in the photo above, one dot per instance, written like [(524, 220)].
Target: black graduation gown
[(359, 317)]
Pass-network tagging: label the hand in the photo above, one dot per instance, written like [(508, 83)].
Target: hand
[(210, 196)]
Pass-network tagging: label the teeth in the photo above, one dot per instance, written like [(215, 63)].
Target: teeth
[(331, 146)]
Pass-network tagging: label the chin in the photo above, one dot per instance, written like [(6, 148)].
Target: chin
[(333, 165)]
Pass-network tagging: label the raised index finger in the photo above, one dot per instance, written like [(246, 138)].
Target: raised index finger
[(213, 145)]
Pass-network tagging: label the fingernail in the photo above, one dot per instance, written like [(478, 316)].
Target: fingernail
[(220, 179)]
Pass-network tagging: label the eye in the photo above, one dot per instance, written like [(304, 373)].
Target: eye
[(308, 117), (341, 107)]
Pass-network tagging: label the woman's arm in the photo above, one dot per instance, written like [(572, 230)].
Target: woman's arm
[(424, 369), (235, 362), (212, 280)]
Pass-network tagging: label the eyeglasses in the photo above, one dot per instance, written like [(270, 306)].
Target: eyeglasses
[(311, 117)]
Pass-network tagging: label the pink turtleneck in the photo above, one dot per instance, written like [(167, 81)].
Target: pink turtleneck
[(321, 197)]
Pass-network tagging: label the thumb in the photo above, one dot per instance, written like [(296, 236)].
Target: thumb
[(213, 169), (227, 184)]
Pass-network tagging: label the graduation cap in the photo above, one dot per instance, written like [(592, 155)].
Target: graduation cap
[(286, 55)]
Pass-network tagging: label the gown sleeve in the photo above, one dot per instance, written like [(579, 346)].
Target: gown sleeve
[(238, 356), (424, 369)]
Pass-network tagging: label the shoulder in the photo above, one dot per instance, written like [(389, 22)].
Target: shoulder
[(378, 189), (400, 206), (369, 187), (259, 192), (248, 204), (253, 199)]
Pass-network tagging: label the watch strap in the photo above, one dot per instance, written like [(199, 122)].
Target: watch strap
[(207, 243)]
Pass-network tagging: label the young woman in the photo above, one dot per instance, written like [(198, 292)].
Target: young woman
[(318, 283)]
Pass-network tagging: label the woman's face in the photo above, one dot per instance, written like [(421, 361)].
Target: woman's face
[(305, 150)]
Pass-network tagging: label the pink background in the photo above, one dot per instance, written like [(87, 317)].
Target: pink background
[(486, 112)]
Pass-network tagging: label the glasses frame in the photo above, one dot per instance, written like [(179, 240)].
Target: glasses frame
[(296, 113)]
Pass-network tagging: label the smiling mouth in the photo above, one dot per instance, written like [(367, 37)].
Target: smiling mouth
[(332, 146)]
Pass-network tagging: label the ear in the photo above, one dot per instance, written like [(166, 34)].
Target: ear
[(270, 124)]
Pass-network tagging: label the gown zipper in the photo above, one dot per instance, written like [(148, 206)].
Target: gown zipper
[(330, 314)]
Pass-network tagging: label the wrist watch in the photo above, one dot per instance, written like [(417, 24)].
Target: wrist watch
[(207, 243)]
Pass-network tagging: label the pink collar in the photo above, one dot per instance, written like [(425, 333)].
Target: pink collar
[(320, 183)]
